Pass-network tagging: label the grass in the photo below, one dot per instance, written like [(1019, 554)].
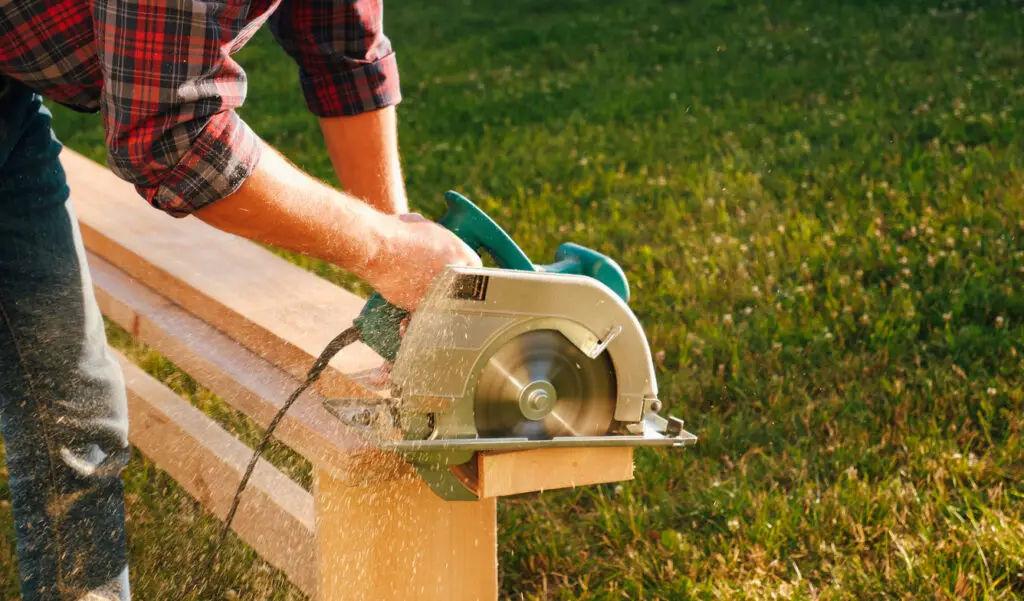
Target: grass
[(819, 206)]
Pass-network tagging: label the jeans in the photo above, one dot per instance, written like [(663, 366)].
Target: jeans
[(63, 409)]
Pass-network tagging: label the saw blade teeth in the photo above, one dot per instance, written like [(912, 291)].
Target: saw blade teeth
[(539, 386)]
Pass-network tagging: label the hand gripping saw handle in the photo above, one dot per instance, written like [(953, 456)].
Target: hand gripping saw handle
[(379, 321)]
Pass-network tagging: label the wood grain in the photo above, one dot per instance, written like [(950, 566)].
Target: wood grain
[(283, 313), (516, 472), (398, 540), (238, 376)]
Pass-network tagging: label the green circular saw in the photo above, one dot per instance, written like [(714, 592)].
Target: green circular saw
[(515, 357)]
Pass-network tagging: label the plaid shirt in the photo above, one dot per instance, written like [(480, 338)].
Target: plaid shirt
[(161, 73)]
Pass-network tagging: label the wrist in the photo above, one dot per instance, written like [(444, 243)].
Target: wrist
[(376, 249), (364, 151)]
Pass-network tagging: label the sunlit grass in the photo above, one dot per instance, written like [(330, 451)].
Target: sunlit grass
[(819, 206)]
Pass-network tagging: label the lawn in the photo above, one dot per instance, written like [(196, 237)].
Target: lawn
[(819, 206)]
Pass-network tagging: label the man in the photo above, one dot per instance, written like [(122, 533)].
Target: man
[(160, 73)]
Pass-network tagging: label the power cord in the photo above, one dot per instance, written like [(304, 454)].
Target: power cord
[(335, 346)]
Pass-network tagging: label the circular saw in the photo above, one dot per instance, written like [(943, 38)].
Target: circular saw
[(517, 356)]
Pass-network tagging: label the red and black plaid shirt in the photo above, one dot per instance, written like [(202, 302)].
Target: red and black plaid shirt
[(161, 73)]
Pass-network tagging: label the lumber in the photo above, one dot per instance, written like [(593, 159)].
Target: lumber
[(397, 540), (282, 312), (248, 324), (516, 472), (275, 516), (238, 376)]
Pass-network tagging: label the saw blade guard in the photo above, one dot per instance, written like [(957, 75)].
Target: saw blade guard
[(472, 312)]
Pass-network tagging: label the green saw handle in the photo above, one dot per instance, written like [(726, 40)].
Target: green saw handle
[(479, 231), (379, 321)]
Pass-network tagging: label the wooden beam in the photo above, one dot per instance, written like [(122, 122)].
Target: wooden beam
[(282, 312), (398, 540), (275, 516), (245, 381), (246, 323), (516, 472)]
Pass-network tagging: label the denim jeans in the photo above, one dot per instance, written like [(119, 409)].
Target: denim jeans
[(63, 410)]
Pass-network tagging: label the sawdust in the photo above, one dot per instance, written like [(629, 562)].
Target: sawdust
[(428, 331)]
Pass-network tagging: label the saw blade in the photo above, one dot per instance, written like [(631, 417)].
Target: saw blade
[(539, 386)]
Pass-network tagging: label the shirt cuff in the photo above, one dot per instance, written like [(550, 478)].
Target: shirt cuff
[(220, 159), (338, 92)]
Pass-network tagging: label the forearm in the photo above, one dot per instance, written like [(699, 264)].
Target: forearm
[(364, 152), (280, 205)]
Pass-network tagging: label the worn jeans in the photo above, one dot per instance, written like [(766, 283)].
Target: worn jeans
[(63, 410)]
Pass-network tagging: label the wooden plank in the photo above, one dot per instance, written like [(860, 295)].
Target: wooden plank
[(245, 381), (397, 540), (275, 516), (517, 472), (282, 312)]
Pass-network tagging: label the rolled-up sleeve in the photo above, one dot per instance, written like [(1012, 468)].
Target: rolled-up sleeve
[(346, 63), (170, 90)]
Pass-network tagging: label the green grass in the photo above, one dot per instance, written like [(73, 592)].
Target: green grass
[(819, 206)]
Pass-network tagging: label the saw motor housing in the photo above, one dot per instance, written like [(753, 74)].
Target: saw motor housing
[(472, 312)]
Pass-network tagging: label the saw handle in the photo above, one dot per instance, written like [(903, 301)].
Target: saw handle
[(379, 321), (379, 326), (579, 260), (479, 232)]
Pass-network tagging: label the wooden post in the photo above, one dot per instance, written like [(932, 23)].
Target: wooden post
[(398, 540)]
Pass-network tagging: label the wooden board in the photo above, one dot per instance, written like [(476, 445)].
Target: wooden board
[(516, 472), (398, 540), (275, 516), (245, 381), (282, 312)]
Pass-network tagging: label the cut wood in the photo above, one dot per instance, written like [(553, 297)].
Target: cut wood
[(517, 472), (275, 516)]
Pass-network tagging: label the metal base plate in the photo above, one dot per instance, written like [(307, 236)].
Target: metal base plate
[(656, 433)]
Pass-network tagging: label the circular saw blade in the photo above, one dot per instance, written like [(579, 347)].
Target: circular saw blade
[(539, 385)]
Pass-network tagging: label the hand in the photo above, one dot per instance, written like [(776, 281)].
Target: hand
[(414, 253)]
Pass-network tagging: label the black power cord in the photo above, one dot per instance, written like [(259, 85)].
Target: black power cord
[(340, 341)]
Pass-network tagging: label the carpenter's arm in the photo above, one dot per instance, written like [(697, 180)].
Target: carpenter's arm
[(172, 130), (364, 151), (280, 205), (349, 77), (170, 116)]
